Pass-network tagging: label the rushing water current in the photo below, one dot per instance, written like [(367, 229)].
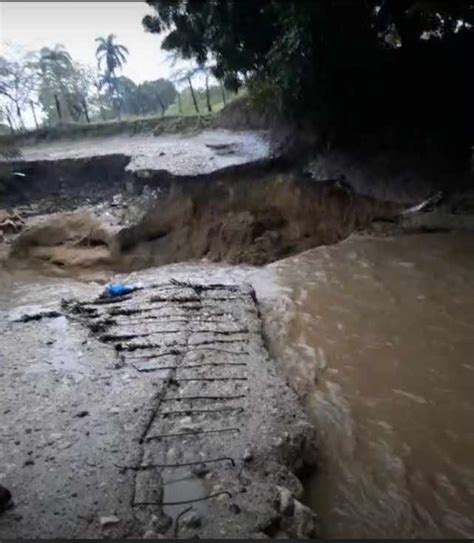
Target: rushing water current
[(377, 337)]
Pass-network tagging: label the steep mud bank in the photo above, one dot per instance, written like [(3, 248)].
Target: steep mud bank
[(66, 183), (253, 213), (75, 241), (254, 221)]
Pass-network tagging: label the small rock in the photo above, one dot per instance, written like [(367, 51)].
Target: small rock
[(201, 470), (278, 441), (82, 414), (5, 498), (116, 200), (286, 505), (150, 534), (259, 535), (247, 456), (29, 462), (160, 524), (234, 508), (162, 153), (107, 521), (306, 521), (191, 520)]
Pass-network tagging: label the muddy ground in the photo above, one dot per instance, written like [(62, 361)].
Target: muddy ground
[(157, 414)]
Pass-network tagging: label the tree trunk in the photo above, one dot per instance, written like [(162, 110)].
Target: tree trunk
[(86, 110), (180, 106), (140, 104), (9, 120), (20, 118), (224, 98), (58, 108), (34, 113), (208, 96), (101, 107), (160, 101), (118, 109), (191, 88)]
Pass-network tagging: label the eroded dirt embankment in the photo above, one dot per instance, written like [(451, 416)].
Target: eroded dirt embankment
[(253, 220)]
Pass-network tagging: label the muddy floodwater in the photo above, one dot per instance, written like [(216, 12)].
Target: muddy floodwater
[(377, 337)]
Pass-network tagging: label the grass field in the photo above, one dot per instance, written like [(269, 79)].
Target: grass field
[(172, 121)]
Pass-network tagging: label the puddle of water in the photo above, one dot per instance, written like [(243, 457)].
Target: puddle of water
[(181, 486), (64, 356)]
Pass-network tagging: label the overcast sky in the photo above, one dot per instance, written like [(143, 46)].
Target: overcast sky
[(75, 25)]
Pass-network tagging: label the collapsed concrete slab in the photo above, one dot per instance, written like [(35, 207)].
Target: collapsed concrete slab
[(210, 440), (224, 434)]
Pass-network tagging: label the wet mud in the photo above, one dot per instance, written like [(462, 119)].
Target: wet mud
[(158, 414)]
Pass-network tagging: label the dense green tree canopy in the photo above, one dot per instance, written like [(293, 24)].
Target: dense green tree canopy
[(355, 65), (64, 86), (146, 98), (17, 84)]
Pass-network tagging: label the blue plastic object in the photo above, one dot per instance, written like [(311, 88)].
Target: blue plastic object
[(118, 289)]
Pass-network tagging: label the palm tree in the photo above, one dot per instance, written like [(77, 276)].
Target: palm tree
[(115, 56)]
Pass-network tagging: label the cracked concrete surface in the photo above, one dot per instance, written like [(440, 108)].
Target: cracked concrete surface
[(189, 154), (156, 414)]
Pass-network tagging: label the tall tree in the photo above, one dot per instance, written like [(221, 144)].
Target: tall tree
[(350, 66), (207, 72), (156, 95), (17, 84), (56, 71), (186, 75), (114, 56)]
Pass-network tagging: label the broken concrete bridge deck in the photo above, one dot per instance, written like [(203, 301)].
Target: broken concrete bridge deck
[(159, 413)]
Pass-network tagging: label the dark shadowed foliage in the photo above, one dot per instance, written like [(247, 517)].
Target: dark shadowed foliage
[(396, 71)]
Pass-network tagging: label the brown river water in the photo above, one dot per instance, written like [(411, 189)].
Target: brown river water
[(377, 337)]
